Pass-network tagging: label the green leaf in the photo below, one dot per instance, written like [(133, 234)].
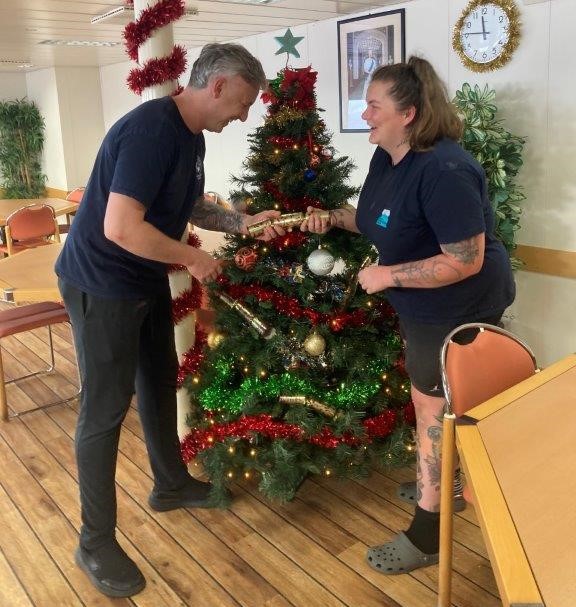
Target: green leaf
[(498, 151)]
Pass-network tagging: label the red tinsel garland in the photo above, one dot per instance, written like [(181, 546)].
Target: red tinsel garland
[(246, 426), (185, 303), (290, 306), (157, 71), (150, 19), (291, 205), (192, 359), (154, 71)]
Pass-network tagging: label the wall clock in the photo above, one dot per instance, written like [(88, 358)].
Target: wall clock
[(487, 34)]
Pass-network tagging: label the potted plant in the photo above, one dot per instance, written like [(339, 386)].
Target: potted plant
[(21, 143), (500, 154)]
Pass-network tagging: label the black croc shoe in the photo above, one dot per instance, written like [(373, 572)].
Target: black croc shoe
[(111, 570)]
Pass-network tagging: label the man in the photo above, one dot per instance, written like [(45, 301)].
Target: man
[(147, 183)]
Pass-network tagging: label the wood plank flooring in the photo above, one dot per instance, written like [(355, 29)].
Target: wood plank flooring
[(308, 553)]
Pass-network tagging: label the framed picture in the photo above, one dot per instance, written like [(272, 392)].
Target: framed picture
[(365, 43)]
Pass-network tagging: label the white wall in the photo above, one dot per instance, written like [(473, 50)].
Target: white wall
[(42, 89), (12, 86), (80, 107), (535, 95), (69, 99), (117, 98)]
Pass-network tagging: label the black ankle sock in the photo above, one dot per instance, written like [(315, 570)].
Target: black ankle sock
[(424, 530)]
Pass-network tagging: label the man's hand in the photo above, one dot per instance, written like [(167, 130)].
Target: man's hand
[(270, 232), (205, 268)]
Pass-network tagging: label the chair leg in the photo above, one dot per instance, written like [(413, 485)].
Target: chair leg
[(3, 402), (4, 415), (446, 510)]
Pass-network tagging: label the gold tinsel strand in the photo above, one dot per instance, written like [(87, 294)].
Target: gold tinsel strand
[(509, 6), (284, 116)]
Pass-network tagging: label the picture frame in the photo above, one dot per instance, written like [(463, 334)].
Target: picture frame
[(365, 43)]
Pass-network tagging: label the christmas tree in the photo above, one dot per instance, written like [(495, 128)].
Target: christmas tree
[(302, 373)]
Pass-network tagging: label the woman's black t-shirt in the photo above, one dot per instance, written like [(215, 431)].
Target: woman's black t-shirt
[(427, 199)]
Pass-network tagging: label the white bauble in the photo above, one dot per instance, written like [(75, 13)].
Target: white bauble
[(320, 262)]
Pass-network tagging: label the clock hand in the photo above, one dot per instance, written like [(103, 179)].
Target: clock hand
[(483, 28)]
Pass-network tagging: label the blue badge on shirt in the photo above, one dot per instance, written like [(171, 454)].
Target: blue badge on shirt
[(382, 221)]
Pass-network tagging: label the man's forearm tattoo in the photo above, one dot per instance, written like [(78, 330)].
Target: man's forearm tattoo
[(210, 216)]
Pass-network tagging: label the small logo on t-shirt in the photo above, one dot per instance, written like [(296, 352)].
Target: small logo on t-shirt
[(199, 169), (382, 221)]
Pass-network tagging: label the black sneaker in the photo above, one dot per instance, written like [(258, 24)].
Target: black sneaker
[(111, 570), (196, 494)]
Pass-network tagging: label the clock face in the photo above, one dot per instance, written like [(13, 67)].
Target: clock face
[(484, 33)]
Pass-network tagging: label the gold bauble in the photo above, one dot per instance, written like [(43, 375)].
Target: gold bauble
[(214, 339), (315, 344)]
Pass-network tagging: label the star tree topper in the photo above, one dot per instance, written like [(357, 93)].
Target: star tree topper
[(288, 43)]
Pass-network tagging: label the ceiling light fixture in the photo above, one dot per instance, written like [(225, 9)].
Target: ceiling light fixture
[(128, 12), (106, 43), (22, 63)]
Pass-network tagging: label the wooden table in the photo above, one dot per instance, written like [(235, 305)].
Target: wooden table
[(9, 205), (518, 452), (30, 276)]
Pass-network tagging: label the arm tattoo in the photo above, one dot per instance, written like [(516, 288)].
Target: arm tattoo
[(337, 218), (344, 218), (425, 273), (465, 251), (210, 216), (433, 460)]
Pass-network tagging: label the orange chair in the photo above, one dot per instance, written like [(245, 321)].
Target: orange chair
[(73, 196), (21, 319), (487, 361), (31, 226)]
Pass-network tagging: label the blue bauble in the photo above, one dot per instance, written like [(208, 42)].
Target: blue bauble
[(310, 175)]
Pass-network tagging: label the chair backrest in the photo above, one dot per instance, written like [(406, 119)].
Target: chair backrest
[(75, 195), (32, 221), (478, 361), (29, 227)]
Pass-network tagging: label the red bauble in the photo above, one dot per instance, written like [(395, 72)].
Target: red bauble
[(246, 258)]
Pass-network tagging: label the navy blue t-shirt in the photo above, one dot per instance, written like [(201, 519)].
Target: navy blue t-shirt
[(431, 198), (152, 156)]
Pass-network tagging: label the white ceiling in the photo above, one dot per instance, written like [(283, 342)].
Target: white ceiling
[(25, 23)]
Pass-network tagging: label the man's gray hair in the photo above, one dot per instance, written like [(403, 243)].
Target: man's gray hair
[(227, 58)]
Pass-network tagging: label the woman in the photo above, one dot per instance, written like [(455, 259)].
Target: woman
[(425, 206)]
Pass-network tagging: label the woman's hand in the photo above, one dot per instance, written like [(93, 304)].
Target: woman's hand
[(374, 279), (315, 222)]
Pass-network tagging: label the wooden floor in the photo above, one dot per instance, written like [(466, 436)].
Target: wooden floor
[(309, 553)]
